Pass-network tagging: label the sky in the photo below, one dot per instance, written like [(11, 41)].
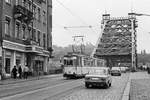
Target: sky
[(70, 13)]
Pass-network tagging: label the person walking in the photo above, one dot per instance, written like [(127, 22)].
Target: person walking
[(14, 72), (20, 71), (26, 70)]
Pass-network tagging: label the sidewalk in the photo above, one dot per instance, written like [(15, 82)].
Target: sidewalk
[(140, 88), (13, 81)]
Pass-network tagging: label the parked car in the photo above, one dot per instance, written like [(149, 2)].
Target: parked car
[(100, 77), (116, 71)]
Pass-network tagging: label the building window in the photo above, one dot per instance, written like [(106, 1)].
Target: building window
[(8, 1), (34, 35), (44, 40), (39, 14), (34, 11), (17, 29), (44, 17), (39, 41), (7, 26), (24, 32)]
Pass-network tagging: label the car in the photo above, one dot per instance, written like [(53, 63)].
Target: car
[(99, 77), (115, 71), (123, 69)]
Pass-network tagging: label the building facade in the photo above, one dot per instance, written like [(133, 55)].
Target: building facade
[(26, 39)]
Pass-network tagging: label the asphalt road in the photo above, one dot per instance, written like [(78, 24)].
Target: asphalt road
[(61, 89)]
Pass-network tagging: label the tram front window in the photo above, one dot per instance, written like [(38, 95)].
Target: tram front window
[(68, 62)]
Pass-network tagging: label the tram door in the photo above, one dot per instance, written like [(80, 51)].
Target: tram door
[(79, 66)]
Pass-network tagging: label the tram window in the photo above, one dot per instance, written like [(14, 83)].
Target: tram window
[(68, 62), (65, 62)]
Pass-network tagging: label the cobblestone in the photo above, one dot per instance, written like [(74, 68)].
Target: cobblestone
[(112, 93)]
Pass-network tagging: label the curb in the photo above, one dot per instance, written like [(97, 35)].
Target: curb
[(126, 92)]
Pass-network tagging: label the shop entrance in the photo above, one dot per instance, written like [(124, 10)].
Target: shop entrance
[(7, 65), (38, 67), (18, 62)]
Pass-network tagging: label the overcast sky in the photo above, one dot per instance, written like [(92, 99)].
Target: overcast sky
[(68, 13)]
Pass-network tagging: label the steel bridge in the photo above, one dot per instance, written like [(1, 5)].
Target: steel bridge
[(117, 41)]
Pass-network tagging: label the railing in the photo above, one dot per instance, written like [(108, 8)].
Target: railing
[(22, 13)]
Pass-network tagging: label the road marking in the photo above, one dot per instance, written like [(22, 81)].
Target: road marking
[(34, 91)]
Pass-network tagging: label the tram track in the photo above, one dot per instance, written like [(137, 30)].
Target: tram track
[(29, 91)]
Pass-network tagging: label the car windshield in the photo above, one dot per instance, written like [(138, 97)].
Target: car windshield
[(100, 72), (115, 68)]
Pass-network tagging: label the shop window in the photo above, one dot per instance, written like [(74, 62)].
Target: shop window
[(7, 65), (38, 66), (41, 66)]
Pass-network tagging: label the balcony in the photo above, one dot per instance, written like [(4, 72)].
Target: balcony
[(23, 14), (34, 49)]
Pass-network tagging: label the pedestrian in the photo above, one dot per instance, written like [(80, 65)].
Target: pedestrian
[(14, 72), (26, 70), (20, 71)]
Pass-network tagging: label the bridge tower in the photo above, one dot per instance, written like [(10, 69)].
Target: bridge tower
[(117, 41)]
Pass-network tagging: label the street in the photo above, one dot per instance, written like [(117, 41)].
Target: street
[(59, 88)]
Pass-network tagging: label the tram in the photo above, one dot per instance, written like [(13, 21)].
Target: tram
[(78, 65)]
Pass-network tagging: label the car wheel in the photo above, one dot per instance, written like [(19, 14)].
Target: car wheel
[(106, 85), (109, 84), (86, 85)]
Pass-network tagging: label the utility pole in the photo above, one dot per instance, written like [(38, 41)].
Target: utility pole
[(1, 40), (134, 32), (132, 17)]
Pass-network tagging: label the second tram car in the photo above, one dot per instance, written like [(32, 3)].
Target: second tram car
[(78, 65)]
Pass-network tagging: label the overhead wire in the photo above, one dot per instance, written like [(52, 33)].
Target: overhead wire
[(75, 15)]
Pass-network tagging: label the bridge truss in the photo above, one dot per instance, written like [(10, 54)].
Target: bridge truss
[(117, 42)]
